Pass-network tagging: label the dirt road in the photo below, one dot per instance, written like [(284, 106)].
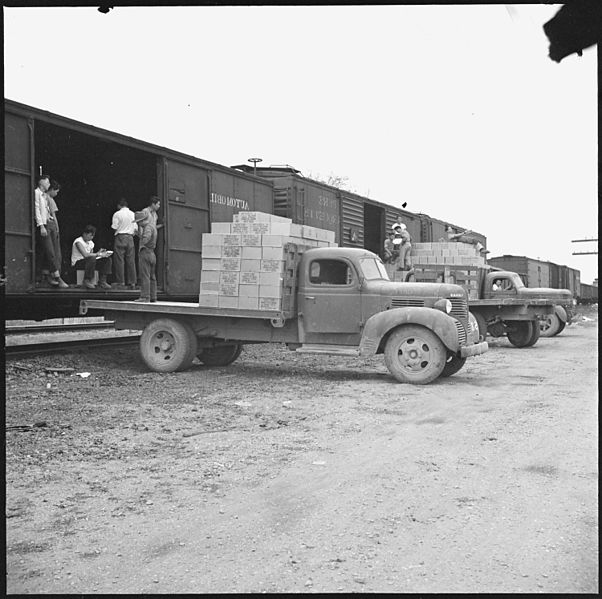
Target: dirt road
[(304, 473)]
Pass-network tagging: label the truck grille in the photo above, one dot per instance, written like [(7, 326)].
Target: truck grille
[(459, 308), (404, 303), (461, 332)]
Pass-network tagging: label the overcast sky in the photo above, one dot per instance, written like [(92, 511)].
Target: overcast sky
[(456, 110)]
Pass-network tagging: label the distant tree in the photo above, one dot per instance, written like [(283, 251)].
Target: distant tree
[(332, 180)]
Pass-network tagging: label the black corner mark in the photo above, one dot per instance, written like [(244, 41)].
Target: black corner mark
[(404, 204), (104, 8)]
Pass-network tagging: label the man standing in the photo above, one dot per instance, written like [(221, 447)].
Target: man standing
[(49, 231), (125, 228), (147, 261)]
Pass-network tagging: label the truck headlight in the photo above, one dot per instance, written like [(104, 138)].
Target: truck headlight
[(444, 305)]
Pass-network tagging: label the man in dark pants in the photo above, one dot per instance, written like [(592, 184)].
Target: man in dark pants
[(147, 261), (83, 257), (125, 228)]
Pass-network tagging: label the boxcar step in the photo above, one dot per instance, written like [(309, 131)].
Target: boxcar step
[(319, 348)]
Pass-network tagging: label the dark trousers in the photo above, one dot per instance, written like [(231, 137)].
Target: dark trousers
[(51, 248), (89, 265), (124, 252), (147, 261)]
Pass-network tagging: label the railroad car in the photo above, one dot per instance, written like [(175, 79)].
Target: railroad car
[(588, 295), (97, 167)]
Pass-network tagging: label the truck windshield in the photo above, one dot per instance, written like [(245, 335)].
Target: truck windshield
[(373, 269)]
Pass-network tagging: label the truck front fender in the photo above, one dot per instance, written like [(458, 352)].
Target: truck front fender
[(380, 325)]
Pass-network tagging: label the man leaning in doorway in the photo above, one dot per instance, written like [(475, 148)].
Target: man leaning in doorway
[(147, 261), (124, 258)]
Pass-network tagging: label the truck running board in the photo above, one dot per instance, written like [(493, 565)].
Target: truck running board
[(318, 348)]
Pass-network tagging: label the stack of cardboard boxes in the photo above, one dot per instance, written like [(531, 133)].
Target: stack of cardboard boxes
[(449, 262), (245, 262)]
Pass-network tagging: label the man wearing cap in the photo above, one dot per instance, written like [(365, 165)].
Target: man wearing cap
[(147, 261), (125, 227), (466, 238)]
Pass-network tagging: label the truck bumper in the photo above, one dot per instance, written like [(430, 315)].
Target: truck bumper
[(474, 350)]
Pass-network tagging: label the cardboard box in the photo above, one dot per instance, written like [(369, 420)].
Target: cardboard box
[(229, 277), (232, 240), (272, 253), (241, 228), (208, 300), (211, 264), (248, 290), (209, 287), (249, 278), (252, 217), (225, 301), (250, 265), (212, 239), (231, 251), (210, 276), (228, 290), (280, 228), (248, 303), (229, 264), (271, 266), (270, 291), (260, 228), (296, 230), (248, 240), (222, 228), (269, 303), (212, 251), (252, 252), (272, 279)]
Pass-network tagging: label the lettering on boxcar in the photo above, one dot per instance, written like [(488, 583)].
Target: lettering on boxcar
[(218, 198)]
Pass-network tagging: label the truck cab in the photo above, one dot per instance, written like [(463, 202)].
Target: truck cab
[(503, 284)]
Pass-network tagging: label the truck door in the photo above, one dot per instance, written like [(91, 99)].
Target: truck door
[(187, 217), (18, 202), (330, 299)]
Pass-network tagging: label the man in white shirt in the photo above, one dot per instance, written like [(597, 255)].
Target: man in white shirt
[(83, 257), (125, 228)]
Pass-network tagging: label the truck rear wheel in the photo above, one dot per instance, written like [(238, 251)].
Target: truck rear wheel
[(414, 354), (535, 336), (550, 325), (453, 365), (167, 345), (519, 332), (222, 355)]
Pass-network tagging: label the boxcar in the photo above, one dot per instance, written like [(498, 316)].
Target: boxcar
[(96, 168)]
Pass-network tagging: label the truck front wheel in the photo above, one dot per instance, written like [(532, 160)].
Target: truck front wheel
[(414, 354), (550, 325), (520, 332), (167, 345), (222, 355), (453, 365)]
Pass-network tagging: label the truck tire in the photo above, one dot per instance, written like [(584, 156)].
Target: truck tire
[(550, 325), (414, 354), (519, 332), (167, 345), (453, 365), (222, 355), (561, 327), (482, 325), (535, 335)]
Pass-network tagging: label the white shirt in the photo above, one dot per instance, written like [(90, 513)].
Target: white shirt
[(76, 254), (123, 221), (42, 211)]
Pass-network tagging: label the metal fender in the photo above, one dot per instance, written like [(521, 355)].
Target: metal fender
[(561, 313), (378, 325)]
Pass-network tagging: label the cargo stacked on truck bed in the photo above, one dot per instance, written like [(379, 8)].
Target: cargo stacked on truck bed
[(328, 300), (500, 306)]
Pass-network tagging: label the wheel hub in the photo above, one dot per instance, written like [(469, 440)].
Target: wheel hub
[(163, 343), (414, 354)]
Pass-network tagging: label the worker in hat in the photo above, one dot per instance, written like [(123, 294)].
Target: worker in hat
[(147, 261)]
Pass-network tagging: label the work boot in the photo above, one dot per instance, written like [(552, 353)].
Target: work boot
[(54, 282), (61, 283), (143, 300), (88, 284), (103, 283)]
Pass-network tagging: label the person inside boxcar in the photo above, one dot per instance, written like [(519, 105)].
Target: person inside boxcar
[(83, 257), (466, 238), (51, 194), (47, 228), (124, 258), (389, 249), (147, 261), (404, 261)]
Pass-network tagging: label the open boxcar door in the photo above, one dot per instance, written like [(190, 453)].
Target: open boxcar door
[(19, 260), (186, 193)]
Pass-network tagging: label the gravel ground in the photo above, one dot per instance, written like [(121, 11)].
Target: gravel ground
[(305, 473)]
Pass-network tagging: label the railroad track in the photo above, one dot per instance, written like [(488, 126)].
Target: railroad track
[(44, 347)]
